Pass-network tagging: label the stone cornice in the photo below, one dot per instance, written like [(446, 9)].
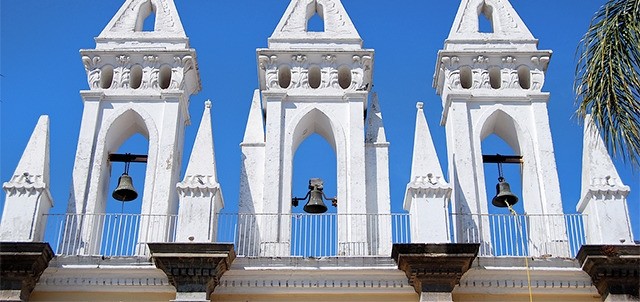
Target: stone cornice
[(21, 264), (193, 267), (614, 269), (434, 267), (524, 97), (340, 275)]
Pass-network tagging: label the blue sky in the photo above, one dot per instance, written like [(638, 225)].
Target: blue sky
[(42, 74)]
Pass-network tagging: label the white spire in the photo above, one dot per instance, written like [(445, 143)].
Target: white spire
[(506, 24), (425, 160), (34, 163), (254, 133), (338, 27), (127, 25), (375, 127), (28, 198), (598, 170), (202, 163)]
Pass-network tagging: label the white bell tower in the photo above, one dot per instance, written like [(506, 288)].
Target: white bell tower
[(140, 81), (490, 82), (316, 82)]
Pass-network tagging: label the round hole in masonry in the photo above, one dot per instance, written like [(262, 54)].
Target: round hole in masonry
[(315, 76), (466, 77), (344, 76), (284, 76), (106, 76), (524, 77), (135, 76), (164, 78), (495, 77)]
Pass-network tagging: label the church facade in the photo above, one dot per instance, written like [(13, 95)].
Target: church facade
[(448, 247)]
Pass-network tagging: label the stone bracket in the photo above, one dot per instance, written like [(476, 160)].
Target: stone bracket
[(614, 269), (434, 267), (21, 264), (193, 267)]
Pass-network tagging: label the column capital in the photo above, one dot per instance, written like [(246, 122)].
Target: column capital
[(193, 267), (434, 267), (614, 269), (21, 264)]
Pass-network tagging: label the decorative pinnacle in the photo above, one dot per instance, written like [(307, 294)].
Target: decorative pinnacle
[(207, 104), (419, 105)]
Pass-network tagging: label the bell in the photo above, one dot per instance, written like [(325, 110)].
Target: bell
[(504, 196), (315, 205), (125, 190)]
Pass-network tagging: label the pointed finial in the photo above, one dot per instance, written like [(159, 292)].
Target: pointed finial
[(207, 104), (419, 105)]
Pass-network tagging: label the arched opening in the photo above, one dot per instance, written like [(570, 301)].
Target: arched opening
[(524, 77), (135, 76), (315, 76), (314, 156), (485, 19), (495, 77), (120, 224), (466, 77), (164, 78), (106, 76), (314, 234), (315, 19), (284, 76), (508, 232), (344, 76), (146, 17)]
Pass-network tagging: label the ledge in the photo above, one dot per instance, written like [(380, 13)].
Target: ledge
[(432, 267), (21, 264), (193, 267), (614, 269)]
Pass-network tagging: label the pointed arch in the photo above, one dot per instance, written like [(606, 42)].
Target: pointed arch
[(503, 125), (115, 130), (314, 8), (304, 122), (486, 10), (313, 120), (500, 121), (145, 9)]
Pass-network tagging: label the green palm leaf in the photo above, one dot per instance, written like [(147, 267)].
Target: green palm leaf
[(608, 77)]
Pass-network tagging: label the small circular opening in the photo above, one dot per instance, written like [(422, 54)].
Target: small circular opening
[(315, 76), (106, 76), (284, 76), (164, 79), (495, 78), (344, 77), (136, 76), (466, 77), (524, 77)]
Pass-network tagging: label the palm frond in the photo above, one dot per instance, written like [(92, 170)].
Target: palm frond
[(608, 77)]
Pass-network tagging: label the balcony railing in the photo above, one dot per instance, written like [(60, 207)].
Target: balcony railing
[(557, 235), (313, 235), (317, 235), (108, 234)]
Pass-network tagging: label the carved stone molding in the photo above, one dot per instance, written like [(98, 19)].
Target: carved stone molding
[(21, 264), (614, 269), (193, 267), (433, 267)]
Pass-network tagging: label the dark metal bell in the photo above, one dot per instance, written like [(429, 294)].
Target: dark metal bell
[(315, 205), (504, 195), (125, 190)]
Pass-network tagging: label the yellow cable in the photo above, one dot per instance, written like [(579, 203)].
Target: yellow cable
[(526, 258)]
